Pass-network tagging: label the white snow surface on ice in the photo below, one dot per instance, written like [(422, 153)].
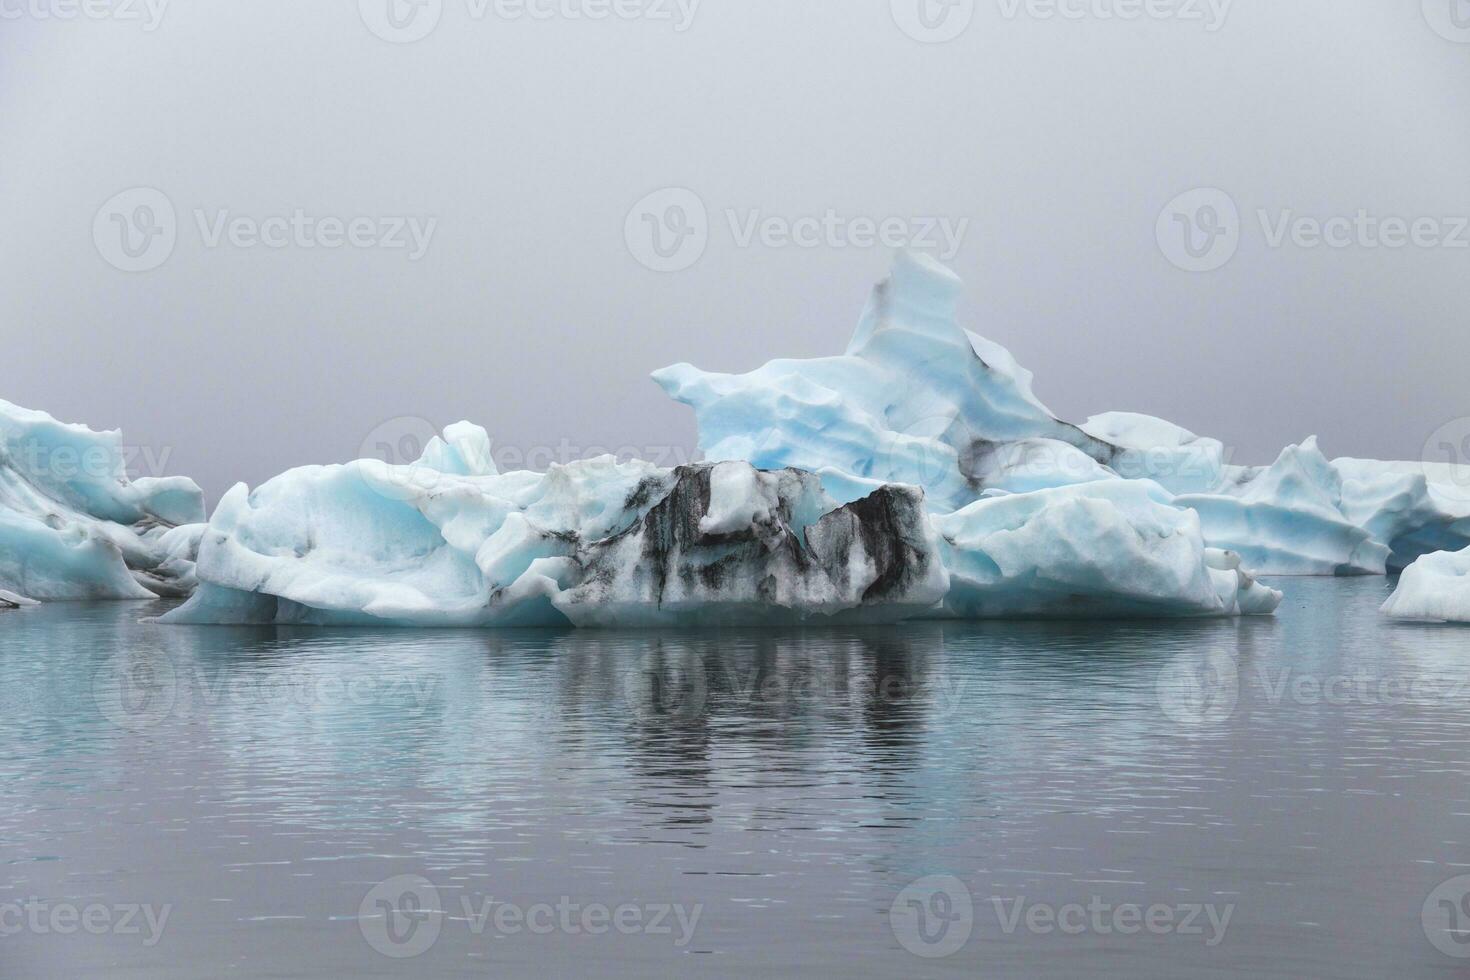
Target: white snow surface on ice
[(1435, 589), (73, 526)]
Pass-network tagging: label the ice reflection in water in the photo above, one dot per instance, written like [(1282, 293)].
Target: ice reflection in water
[(1307, 771)]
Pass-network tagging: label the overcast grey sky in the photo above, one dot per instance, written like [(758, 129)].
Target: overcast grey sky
[(1055, 137)]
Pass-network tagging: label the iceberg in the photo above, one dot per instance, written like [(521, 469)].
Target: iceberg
[(591, 543), (10, 600), (1288, 518), (1414, 508), (917, 399), (1304, 514), (74, 526), (915, 475), (914, 400), (1096, 550), (603, 543), (934, 485), (1435, 588)]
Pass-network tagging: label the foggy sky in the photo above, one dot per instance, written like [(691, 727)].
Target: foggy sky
[(1060, 141)]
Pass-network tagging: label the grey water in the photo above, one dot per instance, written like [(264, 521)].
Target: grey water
[(1280, 797)]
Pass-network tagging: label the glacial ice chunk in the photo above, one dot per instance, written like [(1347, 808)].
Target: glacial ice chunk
[(914, 400), (1414, 508), (599, 543), (1303, 515), (1118, 548), (733, 545), (915, 474), (1148, 448), (1435, 588), (595, 542), (918, 400), (1288, 518), (12, 600), (74, 526)]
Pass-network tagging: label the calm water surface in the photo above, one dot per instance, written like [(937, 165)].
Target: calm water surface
[(282, 802)]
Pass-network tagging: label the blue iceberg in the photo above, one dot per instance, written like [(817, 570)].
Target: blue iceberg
[(74, 526), (916, 475)]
